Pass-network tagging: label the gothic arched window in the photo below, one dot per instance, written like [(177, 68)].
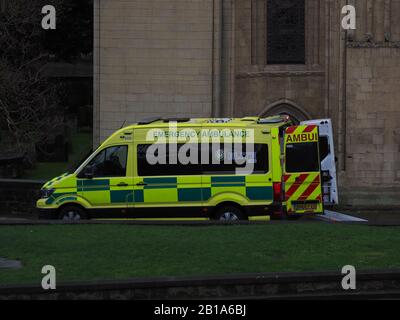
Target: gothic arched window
[(285, 31)]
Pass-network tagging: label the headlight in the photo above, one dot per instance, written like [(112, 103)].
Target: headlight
[(46, 193)]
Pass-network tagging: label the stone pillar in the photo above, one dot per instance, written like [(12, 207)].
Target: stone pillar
[(395, 18), (379, 20), (228, 58)]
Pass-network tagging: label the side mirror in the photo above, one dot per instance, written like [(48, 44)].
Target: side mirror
[(88, 172)]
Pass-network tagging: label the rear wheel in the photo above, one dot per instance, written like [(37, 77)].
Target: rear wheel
[(229, 213), (72, 213)]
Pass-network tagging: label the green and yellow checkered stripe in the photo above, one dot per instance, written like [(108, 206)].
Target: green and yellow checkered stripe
[(171, 189), (189, 189)]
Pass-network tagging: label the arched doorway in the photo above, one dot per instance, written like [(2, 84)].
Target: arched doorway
[(285, 107)]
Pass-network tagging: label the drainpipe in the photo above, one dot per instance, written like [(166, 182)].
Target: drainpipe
[(344, 115), (344, 100), (3, 5), (97, 105)]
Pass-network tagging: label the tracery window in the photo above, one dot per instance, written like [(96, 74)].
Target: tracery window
[(286, 31)]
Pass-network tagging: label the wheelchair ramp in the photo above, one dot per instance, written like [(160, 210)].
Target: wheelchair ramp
[(333, 216)]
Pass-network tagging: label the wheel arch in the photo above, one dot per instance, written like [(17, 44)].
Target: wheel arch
[(228, 204), (73, 204)]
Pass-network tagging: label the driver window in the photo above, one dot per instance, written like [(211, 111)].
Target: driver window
[(110, 162)]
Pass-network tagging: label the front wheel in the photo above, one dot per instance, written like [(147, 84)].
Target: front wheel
[(229, 213), (72, 214)]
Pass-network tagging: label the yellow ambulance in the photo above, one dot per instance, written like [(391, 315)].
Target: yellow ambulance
[(222, 169)]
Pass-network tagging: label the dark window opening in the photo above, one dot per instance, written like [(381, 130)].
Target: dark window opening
[(323, 147), (240, 156), (226, 160), (302, 157), (286, 32), (167, 155)]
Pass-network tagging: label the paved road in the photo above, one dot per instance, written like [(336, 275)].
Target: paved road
[(383, 218), (10, 264)]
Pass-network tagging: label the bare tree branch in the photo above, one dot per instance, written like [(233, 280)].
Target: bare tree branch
[(28, 101)]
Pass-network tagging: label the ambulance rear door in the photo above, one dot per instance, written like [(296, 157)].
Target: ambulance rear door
[(302, 173), (328, 162)]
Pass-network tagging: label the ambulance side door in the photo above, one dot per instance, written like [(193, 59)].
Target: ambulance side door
[(328, 162), (168, 188), (106, 182)]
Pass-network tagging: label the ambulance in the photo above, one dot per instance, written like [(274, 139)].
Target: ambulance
[(220, 169)]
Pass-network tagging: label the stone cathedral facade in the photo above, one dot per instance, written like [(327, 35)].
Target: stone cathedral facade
[(234, 58)]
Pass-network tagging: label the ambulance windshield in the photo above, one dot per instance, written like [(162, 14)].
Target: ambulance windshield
[(77, 164)]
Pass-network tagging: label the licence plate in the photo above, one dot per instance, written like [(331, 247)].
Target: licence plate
[(305, 206)]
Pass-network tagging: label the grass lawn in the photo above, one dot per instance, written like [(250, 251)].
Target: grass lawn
[(88, 252), (81, 143)]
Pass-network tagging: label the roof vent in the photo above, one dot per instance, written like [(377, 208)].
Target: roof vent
[(220, 120), (176, 119), (271, 120), (250, 119), (149, 120)]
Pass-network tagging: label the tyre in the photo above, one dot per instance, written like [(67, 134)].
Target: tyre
[(229, 213), (72, 213)]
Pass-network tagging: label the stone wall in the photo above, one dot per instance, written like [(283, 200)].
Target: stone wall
[(19, 196), (155, 59), (282, 286), (259, 86), (373, 115)]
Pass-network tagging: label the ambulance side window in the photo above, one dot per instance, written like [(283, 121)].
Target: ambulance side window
[(217, 159), (166, 161), (227, 161), (110, 162)]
